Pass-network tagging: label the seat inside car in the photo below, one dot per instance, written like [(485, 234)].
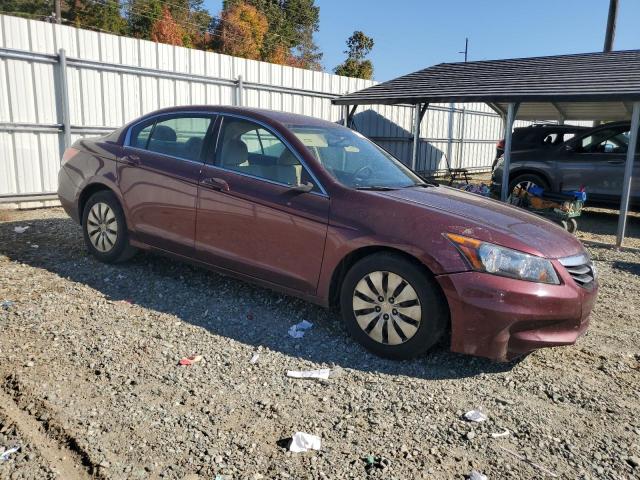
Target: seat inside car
[(287, 169), (235, 156)]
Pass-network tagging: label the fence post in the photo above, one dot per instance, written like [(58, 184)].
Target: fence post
[(239, 92), (460, 151), (64, 96), (452, 113)]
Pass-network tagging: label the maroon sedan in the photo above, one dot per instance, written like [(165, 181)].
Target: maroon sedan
[(315, 210)]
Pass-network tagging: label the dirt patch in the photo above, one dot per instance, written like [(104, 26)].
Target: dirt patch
[(94, 350)]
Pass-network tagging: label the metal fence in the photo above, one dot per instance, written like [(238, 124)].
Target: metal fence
[(59, 83)]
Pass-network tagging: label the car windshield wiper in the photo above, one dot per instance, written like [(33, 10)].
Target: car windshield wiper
[(422, 185), (379, 188)]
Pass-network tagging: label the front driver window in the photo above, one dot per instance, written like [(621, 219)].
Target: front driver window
[(248, 148), (605, 141)]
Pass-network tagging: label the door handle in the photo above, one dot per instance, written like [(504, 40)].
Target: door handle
[(215, 184), (615, 162), (131, 159)]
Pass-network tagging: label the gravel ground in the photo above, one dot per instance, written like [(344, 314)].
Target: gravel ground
[(90, 353)]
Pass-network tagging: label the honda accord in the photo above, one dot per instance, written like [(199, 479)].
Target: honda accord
[(313, 209)]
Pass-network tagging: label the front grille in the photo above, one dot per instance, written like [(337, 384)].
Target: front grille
[(580, 268)]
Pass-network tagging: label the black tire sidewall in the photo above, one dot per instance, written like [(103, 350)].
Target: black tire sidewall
[(122, 241), (435, 313)]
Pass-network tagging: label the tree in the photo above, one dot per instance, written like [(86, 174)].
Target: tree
[(359, 46), (101, 16), (141, 16), (289, 38), (167, 30), (242, 31)]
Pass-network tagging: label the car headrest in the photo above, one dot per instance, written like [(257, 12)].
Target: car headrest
[(234, 153), (164, 134), (287, 158), (192, 147)]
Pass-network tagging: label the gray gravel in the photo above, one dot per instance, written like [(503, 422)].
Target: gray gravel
[(92, 352)]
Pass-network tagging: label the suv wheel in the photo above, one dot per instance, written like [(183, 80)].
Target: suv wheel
[(524, 182), (393, 307), (105, 228)]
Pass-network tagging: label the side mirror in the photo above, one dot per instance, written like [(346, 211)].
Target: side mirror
[(303, 187)]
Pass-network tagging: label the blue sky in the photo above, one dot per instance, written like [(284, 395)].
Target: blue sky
[(413, 34)]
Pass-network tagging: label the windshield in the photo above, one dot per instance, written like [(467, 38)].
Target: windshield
[(354, 160)]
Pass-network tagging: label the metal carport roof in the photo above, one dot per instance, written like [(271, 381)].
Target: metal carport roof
[(587, 86)]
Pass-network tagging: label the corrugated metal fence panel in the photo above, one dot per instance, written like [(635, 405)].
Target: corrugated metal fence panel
[(104, 95)]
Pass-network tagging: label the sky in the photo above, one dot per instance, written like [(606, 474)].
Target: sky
[(413, 34)]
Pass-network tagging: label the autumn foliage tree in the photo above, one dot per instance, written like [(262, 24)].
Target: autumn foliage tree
[(167, 30), (242, 31)]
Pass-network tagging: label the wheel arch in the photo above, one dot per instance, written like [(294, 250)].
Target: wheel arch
[(530, 171), (88, 191), (358, 254)]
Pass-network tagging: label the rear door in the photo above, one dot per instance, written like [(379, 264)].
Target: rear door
[(250, 220), (158, 177)]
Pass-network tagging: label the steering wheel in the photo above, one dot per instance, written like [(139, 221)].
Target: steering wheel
[(363, 173)]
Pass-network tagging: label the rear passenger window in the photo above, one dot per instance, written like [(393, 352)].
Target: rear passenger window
[(181, 137)]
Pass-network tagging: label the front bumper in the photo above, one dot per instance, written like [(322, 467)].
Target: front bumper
[(502, 318)]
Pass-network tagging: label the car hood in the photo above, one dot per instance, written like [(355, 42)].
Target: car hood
[(493, 221)]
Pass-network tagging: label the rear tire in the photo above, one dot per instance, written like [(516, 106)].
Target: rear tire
[(525, 181), (398, 318), (105, 228)]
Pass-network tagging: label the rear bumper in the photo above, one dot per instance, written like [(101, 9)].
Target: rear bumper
[(502, 318), (67, 194)]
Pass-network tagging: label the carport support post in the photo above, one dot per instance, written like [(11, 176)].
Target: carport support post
[(508, 131), (628, 173), (416, 135), (64, 87)]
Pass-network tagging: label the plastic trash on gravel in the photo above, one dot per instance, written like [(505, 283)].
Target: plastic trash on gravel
[(475, 475), (20, 229), (255, 358), (322, 373), (186, 361), (303, 442), (501, 434), (4, 456), (475, 416), (298, 330)]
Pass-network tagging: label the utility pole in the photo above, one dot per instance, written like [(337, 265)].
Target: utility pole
[(466, 49), (611, 26), (58, 11)]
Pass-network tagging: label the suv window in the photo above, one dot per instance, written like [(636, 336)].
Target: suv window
[(605, 141), (250, 149), (178, 136)]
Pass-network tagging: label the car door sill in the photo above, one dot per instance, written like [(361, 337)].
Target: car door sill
[(231, 273)]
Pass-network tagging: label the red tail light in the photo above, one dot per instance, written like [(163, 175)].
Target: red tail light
[(68, 154)]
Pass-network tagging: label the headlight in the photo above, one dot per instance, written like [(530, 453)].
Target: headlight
[(497, 260)]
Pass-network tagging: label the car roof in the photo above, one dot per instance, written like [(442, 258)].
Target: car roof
[(284, 118)]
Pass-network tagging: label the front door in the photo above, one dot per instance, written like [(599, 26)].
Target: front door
[(251, 220), (601, 157), (158, 177)]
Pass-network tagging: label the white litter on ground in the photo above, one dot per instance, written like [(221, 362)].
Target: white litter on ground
[(322, 373), (475, 416), (501, 434), (20, 229), (475, 475), (5, 455), (255, 358), (298, 330), (303, 442)]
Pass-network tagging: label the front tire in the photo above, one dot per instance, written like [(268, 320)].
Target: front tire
[(524, 182), (393, 307), (105, 228)]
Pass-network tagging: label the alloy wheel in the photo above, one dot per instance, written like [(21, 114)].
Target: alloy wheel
[(387, 307), (102, 227), (515, 196)]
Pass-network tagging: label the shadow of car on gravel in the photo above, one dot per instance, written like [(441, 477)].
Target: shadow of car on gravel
[(221, 305)]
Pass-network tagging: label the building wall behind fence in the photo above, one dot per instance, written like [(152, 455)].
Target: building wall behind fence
[(112, 80)]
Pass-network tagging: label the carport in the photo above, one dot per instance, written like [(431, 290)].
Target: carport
[(591, 86)]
